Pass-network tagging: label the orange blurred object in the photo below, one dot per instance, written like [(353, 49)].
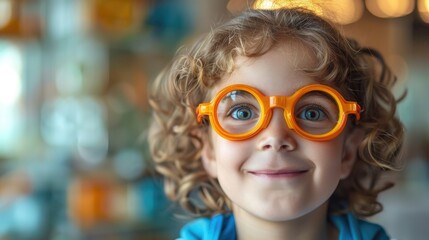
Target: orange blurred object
[(115, 17), (89, 201), (13, 186), (14, 24)]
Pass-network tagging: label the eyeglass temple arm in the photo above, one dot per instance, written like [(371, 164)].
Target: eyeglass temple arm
[(353, 108), (202, 110)]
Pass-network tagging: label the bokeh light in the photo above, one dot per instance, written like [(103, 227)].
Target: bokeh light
[(5, 12), (340, 11), (390, 8), (423, 8), (344, 11), (275, 4), (10, 93)]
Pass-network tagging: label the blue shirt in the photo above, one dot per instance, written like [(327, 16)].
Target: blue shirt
[(222, 227)]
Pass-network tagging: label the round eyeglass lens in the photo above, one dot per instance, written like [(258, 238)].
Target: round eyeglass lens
[(238, 112), (316, 113)]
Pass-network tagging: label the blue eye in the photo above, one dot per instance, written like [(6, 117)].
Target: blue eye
[(312, 113), (241, 113)]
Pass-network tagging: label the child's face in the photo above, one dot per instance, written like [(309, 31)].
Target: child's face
[(278, 175)]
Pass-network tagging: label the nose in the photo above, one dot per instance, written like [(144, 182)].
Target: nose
[(277, 136)]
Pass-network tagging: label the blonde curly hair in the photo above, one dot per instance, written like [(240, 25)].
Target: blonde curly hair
[(359, 73)]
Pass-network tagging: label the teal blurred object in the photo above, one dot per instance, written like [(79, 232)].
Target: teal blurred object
[(23, 219), (170, 21), (152, 204)]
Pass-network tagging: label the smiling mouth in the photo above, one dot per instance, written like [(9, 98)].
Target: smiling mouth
[(278, 173)]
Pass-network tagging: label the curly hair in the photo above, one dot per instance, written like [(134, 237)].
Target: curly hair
[(359, 73)]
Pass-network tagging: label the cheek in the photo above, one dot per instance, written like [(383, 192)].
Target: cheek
[(327, 158), (230, 157), (229, 153)]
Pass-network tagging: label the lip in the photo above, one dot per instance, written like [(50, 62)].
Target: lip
[(281, 173)]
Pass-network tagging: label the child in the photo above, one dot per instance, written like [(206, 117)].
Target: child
[(275, 126)]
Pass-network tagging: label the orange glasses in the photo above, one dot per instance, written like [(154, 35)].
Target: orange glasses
[(316, 112)]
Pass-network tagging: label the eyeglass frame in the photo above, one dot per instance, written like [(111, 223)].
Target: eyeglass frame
[(287, 103)]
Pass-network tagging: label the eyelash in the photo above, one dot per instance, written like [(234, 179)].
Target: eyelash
[(313, 106), (234, 107)]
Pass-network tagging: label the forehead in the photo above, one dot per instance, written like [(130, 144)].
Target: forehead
[(279, 71)]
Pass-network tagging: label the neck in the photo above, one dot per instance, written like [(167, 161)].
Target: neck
[(313, 225)]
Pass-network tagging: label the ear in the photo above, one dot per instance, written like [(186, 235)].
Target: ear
[(351, 145), (208, 157)]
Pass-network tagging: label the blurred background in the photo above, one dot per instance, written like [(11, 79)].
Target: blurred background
[(74, 77)]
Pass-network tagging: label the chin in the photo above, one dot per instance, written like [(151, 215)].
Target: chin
[(276, 215)]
